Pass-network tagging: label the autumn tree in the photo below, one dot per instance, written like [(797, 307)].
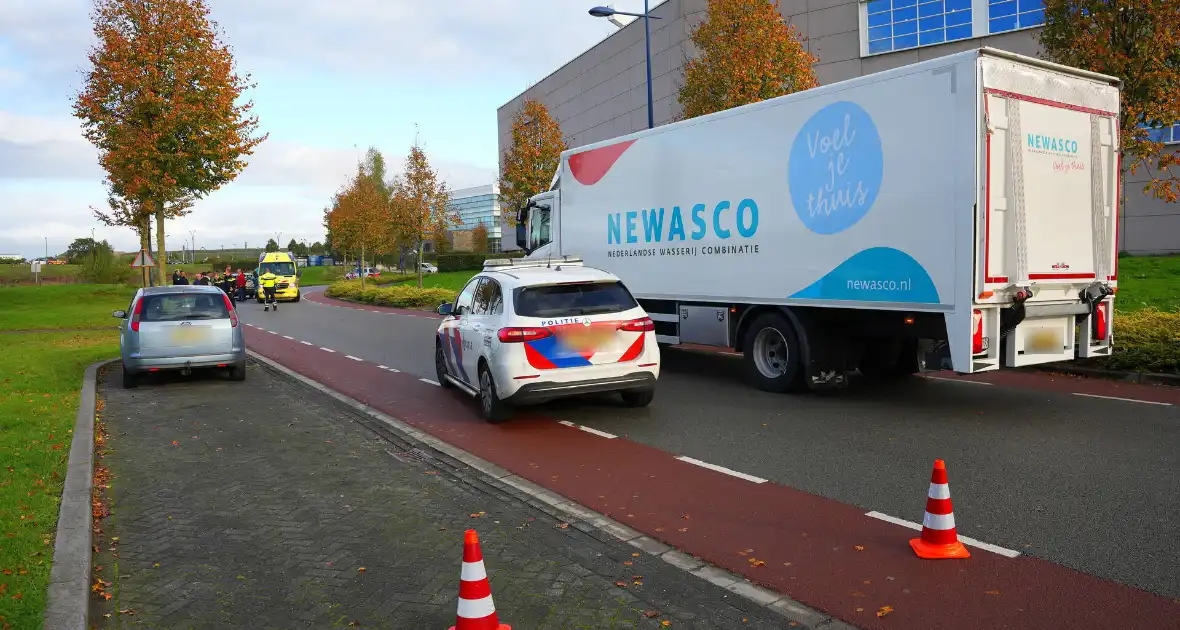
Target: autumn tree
[(479, 239), (361, 218), (421, 207), (1139, 42), (161, 102), (747, 53), (532, 159)]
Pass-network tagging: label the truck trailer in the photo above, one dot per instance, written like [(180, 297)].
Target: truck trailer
[(959, 213)]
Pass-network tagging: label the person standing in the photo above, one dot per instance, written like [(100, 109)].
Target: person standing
[(183, 280), (267, 283), (241, 282)]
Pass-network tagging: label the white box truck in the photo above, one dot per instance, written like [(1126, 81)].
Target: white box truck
[(958, 213)]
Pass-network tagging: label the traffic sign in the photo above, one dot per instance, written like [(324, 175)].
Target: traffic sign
[(143, 259)]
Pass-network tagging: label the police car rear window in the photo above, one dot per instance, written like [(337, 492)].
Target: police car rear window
[(563, 300)]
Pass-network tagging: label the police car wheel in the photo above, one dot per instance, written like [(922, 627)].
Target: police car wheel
[(440, 367), (493, 409)]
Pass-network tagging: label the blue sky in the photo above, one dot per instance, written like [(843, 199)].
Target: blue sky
[(334, 77)]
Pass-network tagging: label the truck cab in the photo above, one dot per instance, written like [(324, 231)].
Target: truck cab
[(283, 265)]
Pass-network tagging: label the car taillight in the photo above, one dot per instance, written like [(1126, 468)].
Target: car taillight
[(136, 314), (643, 324), (977, 346), (1102, 321), (229, 306), (518, 335)]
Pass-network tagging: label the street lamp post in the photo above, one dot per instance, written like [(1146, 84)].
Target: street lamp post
[(607, 12)]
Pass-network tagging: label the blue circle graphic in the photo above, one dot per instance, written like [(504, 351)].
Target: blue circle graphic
[(836, 168)]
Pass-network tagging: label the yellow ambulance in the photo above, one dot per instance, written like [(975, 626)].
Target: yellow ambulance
[(281, 264)]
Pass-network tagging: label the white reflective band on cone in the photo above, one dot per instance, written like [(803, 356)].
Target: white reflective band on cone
[(476, 608), (938, 521), (939, 491), (473, 572)]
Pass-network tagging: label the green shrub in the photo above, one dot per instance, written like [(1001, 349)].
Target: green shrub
[(1147, 340), (398, 295), (105, 268), (469, 261)]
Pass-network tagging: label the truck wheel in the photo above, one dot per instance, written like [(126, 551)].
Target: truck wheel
[(637, 397), (494, 410), (773, 355)]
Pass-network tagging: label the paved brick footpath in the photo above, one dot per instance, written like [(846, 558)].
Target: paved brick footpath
[(266, 504)]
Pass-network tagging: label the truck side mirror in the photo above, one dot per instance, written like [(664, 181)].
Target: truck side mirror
[(522, 236)]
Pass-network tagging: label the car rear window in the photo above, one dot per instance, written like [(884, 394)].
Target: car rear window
[(175, 307), (564, 300)]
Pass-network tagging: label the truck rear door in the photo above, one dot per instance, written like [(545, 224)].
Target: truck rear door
[(1050, 198)]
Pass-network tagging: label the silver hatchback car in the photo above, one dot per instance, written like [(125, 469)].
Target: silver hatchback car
[(180, 328)]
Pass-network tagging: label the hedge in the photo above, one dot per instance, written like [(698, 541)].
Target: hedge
[(398, 295), (1146, 340), (469, 261)]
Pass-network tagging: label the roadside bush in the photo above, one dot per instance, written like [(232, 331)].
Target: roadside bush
[(469, 261), (398, 295), (105, 268), (1146, 340)]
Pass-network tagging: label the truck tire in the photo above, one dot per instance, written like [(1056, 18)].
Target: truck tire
[(773, 354)]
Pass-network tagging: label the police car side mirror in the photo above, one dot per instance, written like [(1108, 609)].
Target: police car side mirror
[(445, 308)]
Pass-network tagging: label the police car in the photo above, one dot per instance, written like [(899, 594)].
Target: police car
[(524, 332)]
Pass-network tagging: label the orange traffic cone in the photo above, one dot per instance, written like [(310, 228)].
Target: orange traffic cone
[(939, 538), (476, 610)]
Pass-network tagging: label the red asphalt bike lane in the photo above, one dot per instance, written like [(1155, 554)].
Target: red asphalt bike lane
[(1019, 379), (808, 544)]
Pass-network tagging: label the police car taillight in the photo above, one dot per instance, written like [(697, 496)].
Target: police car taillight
[(522, 334), (643, 324)]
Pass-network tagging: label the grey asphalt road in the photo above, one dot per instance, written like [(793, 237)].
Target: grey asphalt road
[(1088, 483)]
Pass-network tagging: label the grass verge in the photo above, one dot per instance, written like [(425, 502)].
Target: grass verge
[(1148, 281), (40, 380), (62, 306)]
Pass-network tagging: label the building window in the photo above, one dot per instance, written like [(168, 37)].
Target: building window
[(1009, 15), (1166, 135), (494, 246), (891, 25)]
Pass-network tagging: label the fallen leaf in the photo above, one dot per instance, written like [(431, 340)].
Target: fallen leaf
[(684, 516), (636, 577), (175, 443), (859, 547), (156, 565), (884, 610), (638, 583), (621, 583), (665, 623), (107, 596), (354, 624), (563, 526), (635, 555), (756, 562), (651, 613), (360, 570), (127, 611), (628, 562), (478, 514), (991, 592)]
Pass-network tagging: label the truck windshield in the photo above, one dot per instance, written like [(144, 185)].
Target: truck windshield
[(565, 300), (277, 268)]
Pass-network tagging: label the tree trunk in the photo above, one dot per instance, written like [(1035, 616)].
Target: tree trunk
[(144, 240), (362, 267), (161, 254), (418, 262)]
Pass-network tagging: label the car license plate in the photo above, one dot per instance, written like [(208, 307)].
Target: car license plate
[(587, 338), (187, 334), (1044, 341)]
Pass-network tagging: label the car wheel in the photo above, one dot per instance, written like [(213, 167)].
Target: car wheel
[(493, 409), (297, 296), (638, 397), (237, 373), (772, 354), (440, 367), (130, 379)]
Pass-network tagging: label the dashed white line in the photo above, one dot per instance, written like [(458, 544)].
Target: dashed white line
[(721, 469), (260, 328), (327, 350), (426, 380), (387, 368), (307, 343), (288, 337), (349, 356), (609, 436), (1007, 553), (272, 332), (1134, 400)]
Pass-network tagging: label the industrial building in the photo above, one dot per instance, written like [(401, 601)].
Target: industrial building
[(602, 93)]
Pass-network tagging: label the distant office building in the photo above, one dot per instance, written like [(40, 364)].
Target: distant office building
[(479, 205)]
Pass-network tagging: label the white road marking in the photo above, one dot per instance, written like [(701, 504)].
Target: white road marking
[(387, 368), (721, 469), (567, 423), (957, 380), (307, 343), (288, 337), (1134, 400), (327, 350), (966, 540), (272, 332), (260, 328), (609, 436), (426, 380), (349, 356)]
